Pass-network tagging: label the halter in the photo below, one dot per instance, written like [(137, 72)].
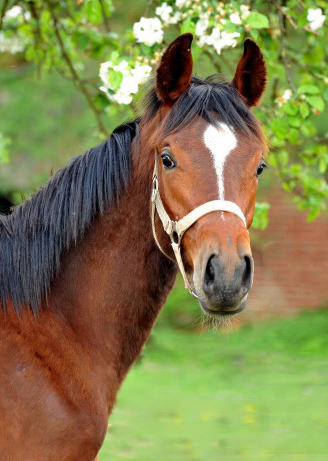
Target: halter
[(176, 229)]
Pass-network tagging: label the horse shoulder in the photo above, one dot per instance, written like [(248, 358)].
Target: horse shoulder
[(52, 404)]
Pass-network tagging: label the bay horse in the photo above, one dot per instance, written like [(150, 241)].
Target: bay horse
[(88, 261)]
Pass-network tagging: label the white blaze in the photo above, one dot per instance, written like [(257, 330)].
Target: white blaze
[(220, 141)]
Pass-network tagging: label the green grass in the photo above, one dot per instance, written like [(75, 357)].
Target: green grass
[(257, 393)]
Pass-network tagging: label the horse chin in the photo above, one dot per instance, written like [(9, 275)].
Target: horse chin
[(219, 311)]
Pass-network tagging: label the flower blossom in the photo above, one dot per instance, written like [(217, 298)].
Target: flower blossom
[(164, 11), (315, 18), (132, 78), (16, 12), (244, 9), (13, 12), (148, 31), (220, 40), (201, 26), (235, 18), (285, 97), (11, 45), (181, 3)]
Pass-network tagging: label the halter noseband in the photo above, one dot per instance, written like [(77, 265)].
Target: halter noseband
[(176, 229)]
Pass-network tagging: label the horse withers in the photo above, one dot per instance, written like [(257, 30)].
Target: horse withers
[(87, 263)]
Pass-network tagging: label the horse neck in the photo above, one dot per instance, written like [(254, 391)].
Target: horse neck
[(112, 284)]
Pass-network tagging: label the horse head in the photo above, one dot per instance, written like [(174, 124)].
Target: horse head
[(208, 157)]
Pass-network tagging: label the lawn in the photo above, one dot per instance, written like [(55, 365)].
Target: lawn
[(257, 393)]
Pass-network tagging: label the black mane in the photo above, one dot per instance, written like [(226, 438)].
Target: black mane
[(34, 236), (213, 100)]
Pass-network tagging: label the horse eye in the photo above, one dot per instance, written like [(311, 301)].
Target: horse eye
[(260, 168), (168, 162)]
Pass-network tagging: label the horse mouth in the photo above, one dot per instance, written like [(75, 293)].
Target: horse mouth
[(223, 312)]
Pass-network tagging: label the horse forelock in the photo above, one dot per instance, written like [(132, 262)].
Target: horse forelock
[(34, 236), (212, 99)]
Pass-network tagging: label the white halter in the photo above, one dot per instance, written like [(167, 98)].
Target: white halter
[(176, 229)]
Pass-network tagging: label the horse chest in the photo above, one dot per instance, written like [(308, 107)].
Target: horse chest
[(52, 407)]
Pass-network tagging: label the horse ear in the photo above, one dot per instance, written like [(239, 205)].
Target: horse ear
[(173, 75), (251, 74)]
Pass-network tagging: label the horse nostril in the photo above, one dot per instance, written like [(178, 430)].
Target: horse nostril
[(247, 278), (209, 276)]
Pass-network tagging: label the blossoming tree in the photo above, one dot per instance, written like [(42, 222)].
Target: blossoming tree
[(291, 33)]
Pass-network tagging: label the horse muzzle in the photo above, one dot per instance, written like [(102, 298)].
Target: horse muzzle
[(222, 283)]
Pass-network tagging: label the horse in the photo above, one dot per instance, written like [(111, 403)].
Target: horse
[(87, 263)]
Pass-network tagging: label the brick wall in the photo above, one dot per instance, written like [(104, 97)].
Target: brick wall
[(291, 261)]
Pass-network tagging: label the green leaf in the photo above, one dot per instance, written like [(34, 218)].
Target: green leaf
[(308, 129), (188, 26), (325, 94), (115, 57), (302, 19), (295, 121), (279, 127), (293, 136), (305, 110), (273, 160), (115, 78), (4, 154), (322, 165), (81, 40), (257, 20), (283, 158), (94, 13), (100, 101), (261, 215), (313, 215), (290, 108), (308, 89), (316, 102)]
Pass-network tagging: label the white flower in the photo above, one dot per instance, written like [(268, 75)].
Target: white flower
[(201, 26), (148, 31), (11, 45), (175, 18), (235, 18), (181, 3), (122, 97), (164, 12), (287, 95), (132, 78), (129, 85), (141, 72), (13, 12), (220, 40), (244, 11), (123, 67), (103, 72), (315, 18)]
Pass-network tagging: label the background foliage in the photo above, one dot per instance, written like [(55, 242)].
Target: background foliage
[(76, 37)]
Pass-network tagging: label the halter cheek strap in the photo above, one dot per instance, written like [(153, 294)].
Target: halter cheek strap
[(176, 229)]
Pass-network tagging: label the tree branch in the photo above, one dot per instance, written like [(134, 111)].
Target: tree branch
[(283, 46), (104, 15), (291, 21), (76, 79), (3, 12)]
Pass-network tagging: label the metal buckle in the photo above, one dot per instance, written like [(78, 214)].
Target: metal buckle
[(155, 188), (174, 235)]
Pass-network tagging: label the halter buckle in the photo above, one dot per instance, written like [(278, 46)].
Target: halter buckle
[(155, 188), (174, 234)]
